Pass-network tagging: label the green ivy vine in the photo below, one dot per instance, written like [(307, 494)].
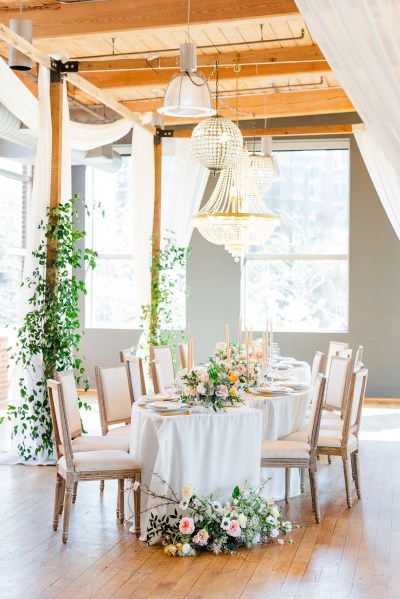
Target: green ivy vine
[(50, 333)]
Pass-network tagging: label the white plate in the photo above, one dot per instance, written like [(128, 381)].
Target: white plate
[(165, 406), (152, 397), (284, 366)]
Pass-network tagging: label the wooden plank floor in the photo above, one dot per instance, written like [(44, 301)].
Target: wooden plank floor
[(353, 553)]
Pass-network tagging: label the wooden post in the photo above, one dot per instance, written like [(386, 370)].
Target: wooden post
[(156, 235), (56, 102)]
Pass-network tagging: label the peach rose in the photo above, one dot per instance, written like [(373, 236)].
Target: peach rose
[(186, 526), (234, 529)]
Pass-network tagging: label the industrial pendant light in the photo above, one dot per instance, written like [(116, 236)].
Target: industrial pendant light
[(22, 27), (188, 94)]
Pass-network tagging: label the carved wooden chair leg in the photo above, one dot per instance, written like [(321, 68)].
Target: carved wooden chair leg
[(314, 492), (287, 484), (302, 480), (346, 471), (101, 486), (311, 489), (74, 492), (121, 500), (58, 491), (329, 459), (61, 498), (67, 510), (356, 472), (136, 504), (353, 466)]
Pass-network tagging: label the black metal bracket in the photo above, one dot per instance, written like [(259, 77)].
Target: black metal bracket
[(59, 68), (160, 133)]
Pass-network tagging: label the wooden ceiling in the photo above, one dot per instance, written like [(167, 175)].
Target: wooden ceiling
[(130, 49)]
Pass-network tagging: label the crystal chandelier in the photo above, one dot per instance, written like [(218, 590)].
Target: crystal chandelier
[(264, 165), (216, 143), (235, 215)]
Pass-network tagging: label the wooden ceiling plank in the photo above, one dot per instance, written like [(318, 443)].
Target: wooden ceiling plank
[(112, 16), (277, 56), (285, 131)]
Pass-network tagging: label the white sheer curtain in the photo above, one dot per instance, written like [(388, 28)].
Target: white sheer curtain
[(360, 40), (183, 198)]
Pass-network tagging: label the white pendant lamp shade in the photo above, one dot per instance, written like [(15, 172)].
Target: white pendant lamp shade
[(188, 94), (16, 59), (217, 143)]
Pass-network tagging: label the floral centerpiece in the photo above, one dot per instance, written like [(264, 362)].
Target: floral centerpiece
[(247, 519), (214, 385), (247, 366)]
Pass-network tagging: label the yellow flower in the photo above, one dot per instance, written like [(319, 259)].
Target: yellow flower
[(170, 550), (233, 392), (187, 492), (233, 377)]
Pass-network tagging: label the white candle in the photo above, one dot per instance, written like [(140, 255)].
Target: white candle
[(247, 351), (272, 334), (240, 332), (228, 349), (251, 337), (190, 354), (263, 347)]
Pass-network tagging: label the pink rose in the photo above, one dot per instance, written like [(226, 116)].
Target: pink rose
[(234, 529), (204, 376), (221, 346), (136, 485), (186, 526)]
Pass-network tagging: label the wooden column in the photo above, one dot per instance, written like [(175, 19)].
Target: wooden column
[(156, 234)]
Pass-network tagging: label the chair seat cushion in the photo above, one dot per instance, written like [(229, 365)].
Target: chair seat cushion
[(336, 425), (285, 449), (119, 431), (95, 461), (330, 414), (96, 443), (327, 438)]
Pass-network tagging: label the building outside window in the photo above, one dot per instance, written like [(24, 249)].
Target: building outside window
[(300, 276)]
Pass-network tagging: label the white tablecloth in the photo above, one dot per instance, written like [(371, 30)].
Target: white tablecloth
[(211, 452), (282, 415)]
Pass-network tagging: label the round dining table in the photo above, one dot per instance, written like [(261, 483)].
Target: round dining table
[(209, 451)]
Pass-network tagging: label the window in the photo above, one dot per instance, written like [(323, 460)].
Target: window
[(14, 190), (300, 275), (110, 286)]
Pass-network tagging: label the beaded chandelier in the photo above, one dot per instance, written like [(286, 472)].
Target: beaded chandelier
[(235, 215), (264, 165)]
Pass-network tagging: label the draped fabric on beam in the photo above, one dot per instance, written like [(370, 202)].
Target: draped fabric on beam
[(360, 41), (184, 195)]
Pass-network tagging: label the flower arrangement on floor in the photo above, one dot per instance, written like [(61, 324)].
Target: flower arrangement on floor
[(248, 368), (214, 385), (247, 519)]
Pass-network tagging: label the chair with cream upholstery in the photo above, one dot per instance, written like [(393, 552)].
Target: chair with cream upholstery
[(115, 398), (337, 387), (125, 352), (334, 346), (76, 466), (345, 353), (135, 376), (299, 454), (344, 441), (183, 353), (358, 358), (82, 442), (162, 368), (317, 367)]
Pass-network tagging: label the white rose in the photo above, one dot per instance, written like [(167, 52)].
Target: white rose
[(242, 520), (275, 511), (185, 548), (274, 533)]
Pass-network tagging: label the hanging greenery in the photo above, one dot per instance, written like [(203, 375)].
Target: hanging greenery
[(48, 340), (168, 275)]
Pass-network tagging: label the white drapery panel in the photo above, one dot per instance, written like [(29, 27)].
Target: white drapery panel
[(360, 41), (143, 210), (186, 192)]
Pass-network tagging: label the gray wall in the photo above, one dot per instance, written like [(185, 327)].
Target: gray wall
[(214, 279)]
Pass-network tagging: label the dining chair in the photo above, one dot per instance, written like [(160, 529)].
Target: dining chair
[(344, 441), (162, 367), (337, 387), (317, 367), (183, 353), (125, 352), (358, 358), (81, 442), (299, 454), (74, 467), (345, 353), (334, 346), (135, 376), (115, 398)]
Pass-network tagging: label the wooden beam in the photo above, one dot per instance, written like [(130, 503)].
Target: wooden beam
[(112, 16), (276, 56), (284, 131), (21, 44), (146, 78), (324, 101)]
